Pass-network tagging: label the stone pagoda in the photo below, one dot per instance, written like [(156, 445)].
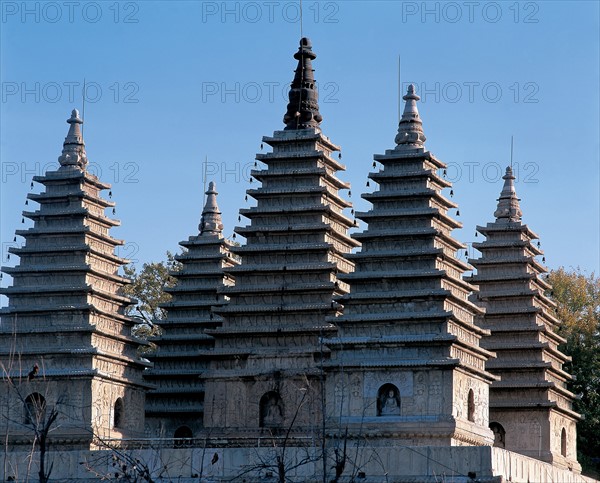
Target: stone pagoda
[(531, 410), (66, 343), (175, 407), (407, 363), (266, 369)]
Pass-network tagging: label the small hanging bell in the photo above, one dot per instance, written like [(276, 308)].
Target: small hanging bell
[(26, 202), (239, 218), (261, 146), (445, 173), (349, 194), (114, 211), (543, 259), (457, 213), (451, 193), (31, 185), (352, 211), (255, 164), (22, 220), (110, 194), (466, 253), (374, 164), (368, 184), (246, 198), (250, 179), (340, 155), (15, 238), (476, 234), (233, 236)]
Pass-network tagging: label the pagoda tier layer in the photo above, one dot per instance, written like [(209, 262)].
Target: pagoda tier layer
[(65, 337), (407, 356), (268, 351), (184, 350), (531, 409)]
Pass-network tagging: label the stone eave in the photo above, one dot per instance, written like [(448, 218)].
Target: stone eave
[(294, 172), (405, 213), (488, 244), (190, 304), (71, 248), (222, 332), (283, 247), (504, 227), (491, 277), (424, 173), (315, 287), (425, 293), (273, 308), (389, 340), (185, 322), (84, 212), (410, 232), (153, 373), (309, 134), (178, 410), (175, 355), (393, 155), (70, 173), (396, 363), (520, 406), (387, 317), (199, 337), (299, 191), (86, 230), (277, 267), (378, 275), (386, 255), (395, 194), (163, 391), (43, 197), (316, 208)]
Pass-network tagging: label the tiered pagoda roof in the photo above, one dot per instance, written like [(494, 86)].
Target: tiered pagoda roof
[(523, 324), (296, 242), (408, 309), (66, 310), (181, 356)]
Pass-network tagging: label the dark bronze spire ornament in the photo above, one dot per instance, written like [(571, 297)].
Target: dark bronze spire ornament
[(303, 108)]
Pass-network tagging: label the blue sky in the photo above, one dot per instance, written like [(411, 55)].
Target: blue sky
[(170, 83)]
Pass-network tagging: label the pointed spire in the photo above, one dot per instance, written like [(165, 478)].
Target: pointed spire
[(410, 130), (73, 153), (508, 203), (211, 222), (303, 108)]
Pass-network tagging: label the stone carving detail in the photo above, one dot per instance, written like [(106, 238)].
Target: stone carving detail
[(271, 410), (388, 401)]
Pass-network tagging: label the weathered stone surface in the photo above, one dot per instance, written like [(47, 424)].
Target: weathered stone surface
[(531, 409), (65, 320)]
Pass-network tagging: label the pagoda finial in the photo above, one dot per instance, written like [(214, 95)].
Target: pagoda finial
[(410, 130), (73, 153), (303, 108), (211, 222), (508, 203)]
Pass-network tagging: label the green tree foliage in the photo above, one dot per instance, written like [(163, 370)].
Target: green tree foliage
[(148, 288), (578, 299)]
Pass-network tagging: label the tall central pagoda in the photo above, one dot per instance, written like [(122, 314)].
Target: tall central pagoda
[(266, 369), (407, 364)]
